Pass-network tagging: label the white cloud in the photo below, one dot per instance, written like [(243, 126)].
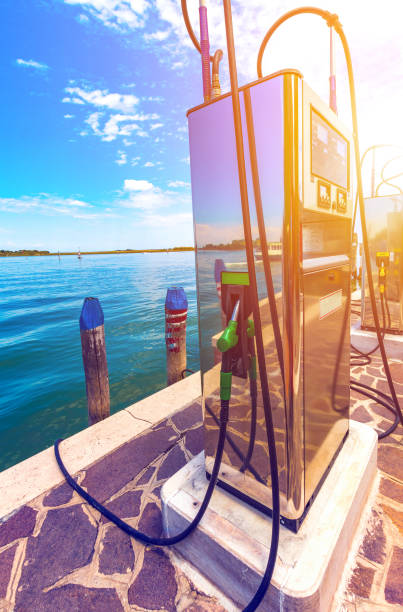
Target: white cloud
[(67, 116), (155, 126), (137, 185), (32, 64), (43, 203), (176, 184), (149, 164), (146, 197), (122, 159), (118, 14), (101, 98), (117, 125), (159, 36), (93, 122), (53, 205), (115, 115), (73, 100)]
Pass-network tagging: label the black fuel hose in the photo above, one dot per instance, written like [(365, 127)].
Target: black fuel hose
[(131, 531), (383, 400)]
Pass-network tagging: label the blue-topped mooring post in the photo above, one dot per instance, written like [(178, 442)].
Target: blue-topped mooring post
[(94, 360), (176, 310)]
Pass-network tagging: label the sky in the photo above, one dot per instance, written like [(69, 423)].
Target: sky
[(94, 151)]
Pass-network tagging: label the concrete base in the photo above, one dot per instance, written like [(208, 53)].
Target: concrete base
[(231, 544), (366, 340)]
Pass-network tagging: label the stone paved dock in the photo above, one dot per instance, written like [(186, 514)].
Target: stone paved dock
[(57, 553)]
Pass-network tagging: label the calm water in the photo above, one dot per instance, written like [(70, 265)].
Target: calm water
[(42, 382)]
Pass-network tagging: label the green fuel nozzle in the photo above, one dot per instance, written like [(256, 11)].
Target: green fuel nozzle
[(250, 331), (229, 337)]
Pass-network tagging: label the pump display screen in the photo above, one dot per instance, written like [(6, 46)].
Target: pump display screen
[(329, 152)]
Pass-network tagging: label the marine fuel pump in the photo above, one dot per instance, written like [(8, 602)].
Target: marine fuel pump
[(270, 166)]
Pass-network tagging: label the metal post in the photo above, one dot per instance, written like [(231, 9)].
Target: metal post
[(176, 310), (94, 360)]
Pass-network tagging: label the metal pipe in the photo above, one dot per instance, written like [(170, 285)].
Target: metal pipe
[(332, 77), (205, 50)]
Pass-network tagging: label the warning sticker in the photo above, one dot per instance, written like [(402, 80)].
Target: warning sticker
[(330, 303)]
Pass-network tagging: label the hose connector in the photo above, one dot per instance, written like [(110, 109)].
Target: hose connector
[(216, 87)]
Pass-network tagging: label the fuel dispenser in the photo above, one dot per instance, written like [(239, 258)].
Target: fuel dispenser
[(270, 166), (385, 232), (297, 156)]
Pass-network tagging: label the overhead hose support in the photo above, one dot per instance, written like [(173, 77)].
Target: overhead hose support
[(216, 58), (333, 20), (386, 181)]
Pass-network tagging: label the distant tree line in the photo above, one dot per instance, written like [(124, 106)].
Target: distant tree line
[(235, 245), (22, 252)]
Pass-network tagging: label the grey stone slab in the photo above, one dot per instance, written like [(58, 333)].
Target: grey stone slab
[(19, 525), (151, 521), (59, 496), (231, 544), (113, 472), (73, 598), (172, 462), (125, 506), (188, 417), (155, 586), (6, 564), (117, 554), (65, 543)]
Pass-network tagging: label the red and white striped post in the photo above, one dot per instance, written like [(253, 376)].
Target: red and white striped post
[(176, 310)]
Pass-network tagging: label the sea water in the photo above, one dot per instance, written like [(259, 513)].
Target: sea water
[(42, 384)]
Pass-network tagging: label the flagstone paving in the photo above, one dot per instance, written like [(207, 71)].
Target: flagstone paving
[(57, 553)]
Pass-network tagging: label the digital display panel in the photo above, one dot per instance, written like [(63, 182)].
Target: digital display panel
[(329, 152)]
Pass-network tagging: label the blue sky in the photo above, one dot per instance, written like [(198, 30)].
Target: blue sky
[(94, 134)]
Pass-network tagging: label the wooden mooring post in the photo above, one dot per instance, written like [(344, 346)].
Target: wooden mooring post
[(94, 360), (176, 310)]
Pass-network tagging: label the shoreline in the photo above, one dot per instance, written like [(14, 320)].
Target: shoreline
[(125, 252)]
